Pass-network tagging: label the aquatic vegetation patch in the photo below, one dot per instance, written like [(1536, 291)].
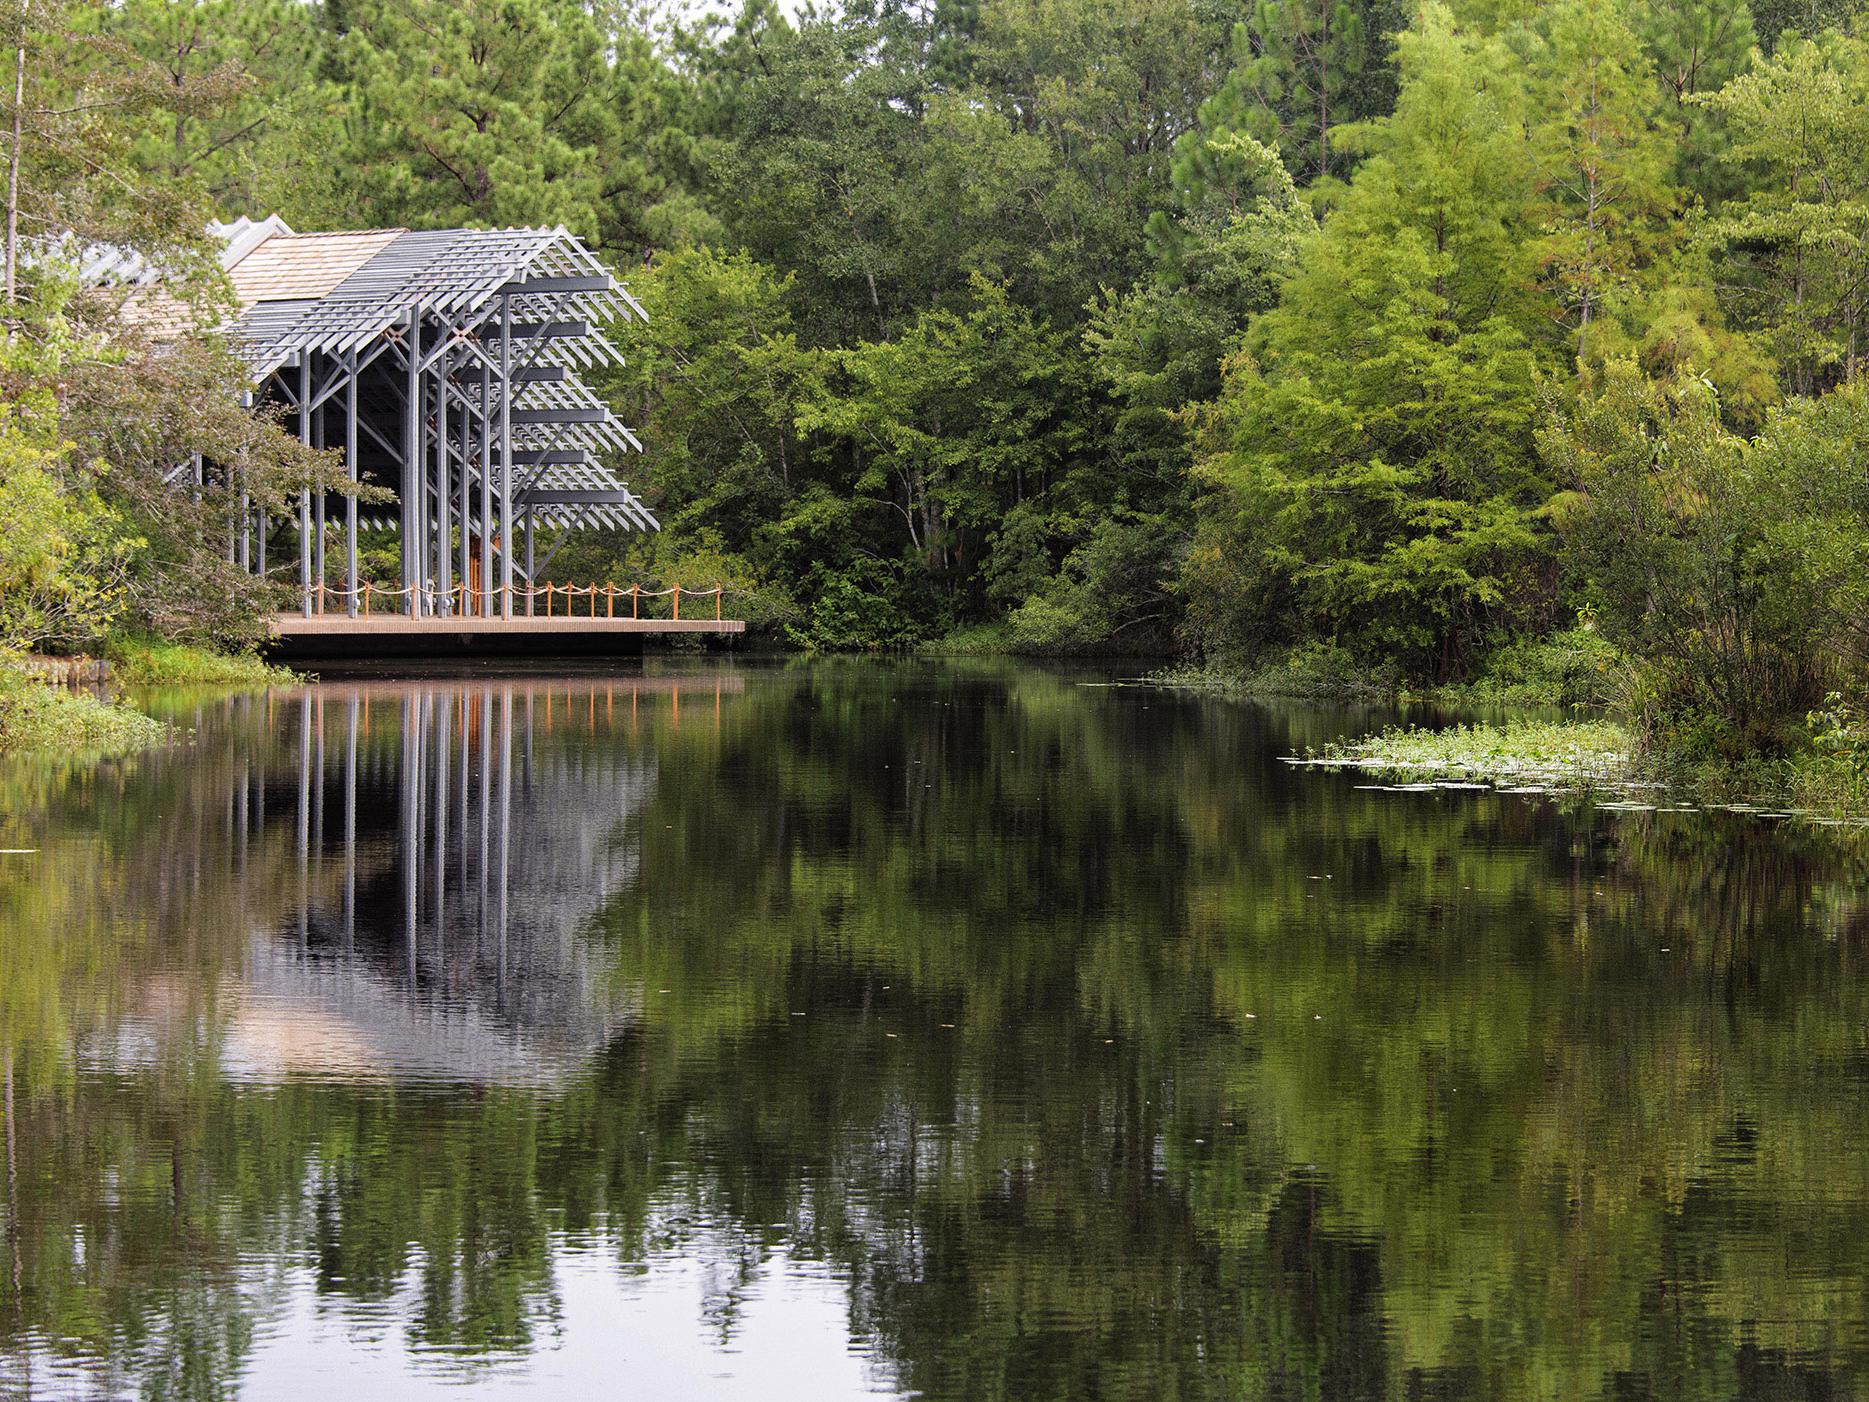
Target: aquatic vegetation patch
[(1565, 754)]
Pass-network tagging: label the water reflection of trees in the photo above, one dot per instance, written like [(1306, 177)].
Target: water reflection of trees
[(1256, 1083)]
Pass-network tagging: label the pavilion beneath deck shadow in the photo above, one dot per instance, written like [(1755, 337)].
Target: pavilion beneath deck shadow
[(449, 368)]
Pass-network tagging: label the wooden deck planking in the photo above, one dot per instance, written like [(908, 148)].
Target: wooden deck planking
[(387, 625)]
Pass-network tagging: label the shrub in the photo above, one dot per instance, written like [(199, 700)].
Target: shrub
[(1575, 667), (1727, 568), (857, 608)]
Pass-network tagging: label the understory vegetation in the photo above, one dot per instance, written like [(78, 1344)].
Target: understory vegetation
[(1510, 352)]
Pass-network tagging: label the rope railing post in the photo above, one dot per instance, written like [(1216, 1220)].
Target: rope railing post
[(677, 595), (366, 597), (635, 597), (717, 603)]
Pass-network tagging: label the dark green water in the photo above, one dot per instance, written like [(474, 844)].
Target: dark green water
[(963, 1031)]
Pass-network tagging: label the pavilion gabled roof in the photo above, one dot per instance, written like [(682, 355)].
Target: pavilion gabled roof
[(333, 294), (362, 284)]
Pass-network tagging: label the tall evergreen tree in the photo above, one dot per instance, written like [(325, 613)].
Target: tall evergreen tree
[(247, 105), (1302, 68), (1602, 163), (1373, 452), (1796, 246), (478, 112)]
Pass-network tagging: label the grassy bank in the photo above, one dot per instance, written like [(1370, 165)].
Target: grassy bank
[(147, 662), (35, 716)]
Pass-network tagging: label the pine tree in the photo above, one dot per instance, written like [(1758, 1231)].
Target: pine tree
[(1796, 248), (475, 112), (1375, 446), (1602, 161), (1302, 69), (246, 103)]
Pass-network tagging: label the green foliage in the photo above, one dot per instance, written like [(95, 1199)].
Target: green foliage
[(949, 427), (64, 554), (1579, 754), (36, 718), (482, 112), (1099, 325), (1377, 436), (1574, 668), (1602, 164), (1303, 69), (862, 606), (248, 116), (1722, 564), (979, 640), (1795, 240), (1317, 671), (1840, 741), (152, 662), (1106, 597)]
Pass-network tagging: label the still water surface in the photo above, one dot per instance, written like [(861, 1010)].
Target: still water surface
[(969, 1032)]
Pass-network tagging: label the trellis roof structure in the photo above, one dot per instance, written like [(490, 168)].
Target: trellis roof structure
[(449, 363)]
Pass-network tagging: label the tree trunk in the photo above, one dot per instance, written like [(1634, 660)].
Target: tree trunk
[(12, 174)]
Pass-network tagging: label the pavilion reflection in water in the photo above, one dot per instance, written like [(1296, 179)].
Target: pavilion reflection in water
[(452, 846)]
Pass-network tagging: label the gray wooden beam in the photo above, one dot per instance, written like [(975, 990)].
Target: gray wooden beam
[(560, 416), (542, 286), (528, 330)]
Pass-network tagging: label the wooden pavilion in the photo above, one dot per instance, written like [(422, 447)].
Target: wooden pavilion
[(446, 364)]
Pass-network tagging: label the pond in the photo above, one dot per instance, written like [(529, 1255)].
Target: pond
[(961, 1031)]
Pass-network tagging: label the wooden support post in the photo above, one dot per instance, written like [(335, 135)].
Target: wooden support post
[(318, 519), (506, 452), (350, 502), (635, 598), (305, 516), (412, 464)]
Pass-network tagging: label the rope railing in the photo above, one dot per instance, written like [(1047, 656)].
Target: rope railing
[(466, 602)]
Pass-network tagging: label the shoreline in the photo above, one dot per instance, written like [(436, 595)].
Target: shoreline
[(1590, 758), (70, 707)]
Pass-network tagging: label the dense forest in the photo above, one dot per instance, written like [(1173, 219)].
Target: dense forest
[(1328, 339)]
